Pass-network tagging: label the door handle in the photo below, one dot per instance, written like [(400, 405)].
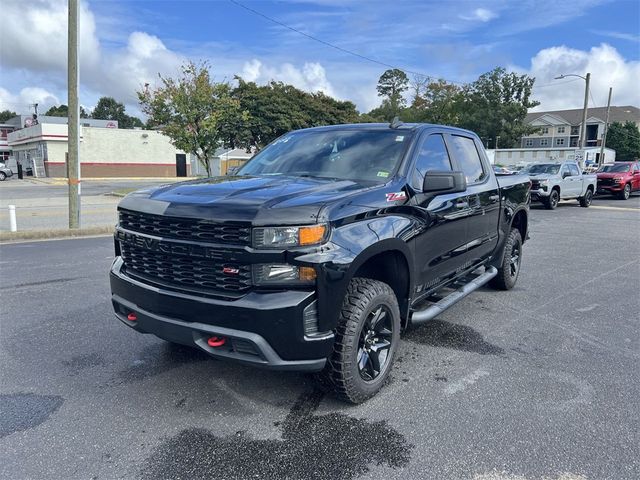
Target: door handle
[(494, 198), (462, 204)]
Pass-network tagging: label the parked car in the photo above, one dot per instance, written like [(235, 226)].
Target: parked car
[(321, 249), (620, 179), (4, 172), (552, 182), (498, 170)]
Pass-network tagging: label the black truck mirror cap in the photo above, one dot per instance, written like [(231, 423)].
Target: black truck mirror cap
[(444, 182)]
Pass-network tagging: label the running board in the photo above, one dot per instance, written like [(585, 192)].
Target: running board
[(436, 309)]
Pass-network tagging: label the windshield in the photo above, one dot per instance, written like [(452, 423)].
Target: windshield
[(358, 155), (552, 169), (621, 167)]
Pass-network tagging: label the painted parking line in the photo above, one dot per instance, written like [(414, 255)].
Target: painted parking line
[(622, 209)]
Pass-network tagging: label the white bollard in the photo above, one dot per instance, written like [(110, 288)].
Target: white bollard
[(12, 218)]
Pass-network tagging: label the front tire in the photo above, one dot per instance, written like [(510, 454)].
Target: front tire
[(586, 200), (509, 268), (367, 338), (2, 176), (552, 202), (625, 193)]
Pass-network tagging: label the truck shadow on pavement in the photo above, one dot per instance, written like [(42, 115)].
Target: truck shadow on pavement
[(438, 333), (331, 446)]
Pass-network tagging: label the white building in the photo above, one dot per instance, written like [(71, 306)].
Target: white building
[(517, 157), (104, 152)]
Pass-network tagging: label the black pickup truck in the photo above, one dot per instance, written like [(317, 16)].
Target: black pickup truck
[(321, 249)]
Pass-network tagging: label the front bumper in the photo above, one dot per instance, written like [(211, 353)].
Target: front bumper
[(612, 188), (538, 195), (261, 329)]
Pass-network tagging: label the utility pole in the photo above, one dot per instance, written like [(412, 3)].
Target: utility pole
[(497, 138), (73, 139), (606, 127), (583, 129)]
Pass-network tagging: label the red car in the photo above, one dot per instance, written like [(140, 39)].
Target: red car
[(620, 178)]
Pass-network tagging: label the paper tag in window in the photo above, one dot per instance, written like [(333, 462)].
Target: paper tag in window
[(400, 138), (383, 174)]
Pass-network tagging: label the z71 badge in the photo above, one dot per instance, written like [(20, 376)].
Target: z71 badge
[(394, 197)]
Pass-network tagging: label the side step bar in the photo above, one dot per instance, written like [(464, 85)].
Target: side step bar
[(436, 309)]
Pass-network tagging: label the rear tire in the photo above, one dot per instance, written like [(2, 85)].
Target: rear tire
[(367, 337), (552, 201), (509, 268), (625, 193), (586, 200)]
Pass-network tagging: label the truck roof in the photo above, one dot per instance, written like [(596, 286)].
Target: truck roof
[(386, 126)]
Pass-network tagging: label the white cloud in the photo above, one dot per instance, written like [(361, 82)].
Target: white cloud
[(607, 67), (27, 96), (311, 77), (34, 35), (480, 14), (251, 70)]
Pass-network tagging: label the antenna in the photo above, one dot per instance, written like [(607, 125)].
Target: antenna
[(396, 123)]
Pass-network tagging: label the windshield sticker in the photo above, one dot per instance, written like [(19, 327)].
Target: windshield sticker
[(383, 174), (400, 138), (396, 196)]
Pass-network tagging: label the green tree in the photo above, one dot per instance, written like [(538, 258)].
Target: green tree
[(277, 108), (625, 140), (6, 115), (391, 86), (196, 113), (496, 104), (63, 111), (109, 108), (436, 102)]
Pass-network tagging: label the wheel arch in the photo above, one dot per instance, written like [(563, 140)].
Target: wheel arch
[(387, 261)]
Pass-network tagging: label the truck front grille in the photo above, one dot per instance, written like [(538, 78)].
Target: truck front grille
[(605, 182), (184, 228), (206, 275)]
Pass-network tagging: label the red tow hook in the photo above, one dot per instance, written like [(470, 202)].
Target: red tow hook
[(216, 341), (132, 317)]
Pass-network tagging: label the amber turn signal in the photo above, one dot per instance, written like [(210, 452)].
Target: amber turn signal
[(311, 235)]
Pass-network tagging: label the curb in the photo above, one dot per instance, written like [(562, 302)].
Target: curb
[(11, 237)]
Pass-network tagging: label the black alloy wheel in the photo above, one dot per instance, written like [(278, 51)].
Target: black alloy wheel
[(375, 343)]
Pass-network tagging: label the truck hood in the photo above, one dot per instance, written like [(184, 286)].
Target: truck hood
[(541, 176), (265, 200), (612, 174)]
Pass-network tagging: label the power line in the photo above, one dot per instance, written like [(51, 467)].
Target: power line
[(336, 47)]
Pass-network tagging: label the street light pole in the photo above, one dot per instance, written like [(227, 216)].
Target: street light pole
[(583, 128), (583, 136), (497, 138)]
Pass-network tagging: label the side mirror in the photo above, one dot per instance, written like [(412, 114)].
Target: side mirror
[(444, 182), (566, 174), (637, 172)]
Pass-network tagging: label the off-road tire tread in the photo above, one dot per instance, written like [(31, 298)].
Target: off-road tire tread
[(583, 200), (338, 371), (503, 281)]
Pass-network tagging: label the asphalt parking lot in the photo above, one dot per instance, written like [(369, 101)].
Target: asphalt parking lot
[(541, 382)]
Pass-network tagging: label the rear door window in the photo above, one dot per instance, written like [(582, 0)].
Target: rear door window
[(468, 158)]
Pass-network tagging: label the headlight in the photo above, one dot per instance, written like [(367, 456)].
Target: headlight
[(276, 237), (617, 179), (283, 274), (544, 182)]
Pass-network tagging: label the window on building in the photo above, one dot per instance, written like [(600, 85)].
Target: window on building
[(544, 142), (559, 142), (432, 156), (544, 131), (560, 129), (575, 131), (467, 155), (528, 142)]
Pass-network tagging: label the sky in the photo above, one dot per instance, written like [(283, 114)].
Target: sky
[(125, 44)]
